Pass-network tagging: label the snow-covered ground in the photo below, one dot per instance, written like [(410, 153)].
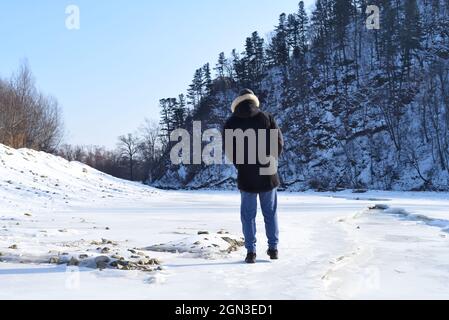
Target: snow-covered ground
[(182, 245)]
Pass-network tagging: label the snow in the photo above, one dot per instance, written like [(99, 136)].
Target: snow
[(333, 246)]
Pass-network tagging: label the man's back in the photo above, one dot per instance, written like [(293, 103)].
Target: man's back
[(247, 116)]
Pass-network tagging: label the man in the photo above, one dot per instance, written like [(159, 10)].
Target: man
[(253, 180)]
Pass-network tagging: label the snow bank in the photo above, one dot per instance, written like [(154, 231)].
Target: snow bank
[(31, 179)]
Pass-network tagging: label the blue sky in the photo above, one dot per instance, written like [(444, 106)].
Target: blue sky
[(109, 75)]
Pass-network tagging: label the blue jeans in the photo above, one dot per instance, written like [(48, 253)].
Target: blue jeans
[(268, 203)]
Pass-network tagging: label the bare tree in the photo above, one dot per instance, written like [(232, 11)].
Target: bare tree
[(28, 118), (150, 146), (136, 157), (67, 152), (128, 147)]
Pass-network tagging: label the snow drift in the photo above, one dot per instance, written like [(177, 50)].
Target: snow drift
[(44, 180)]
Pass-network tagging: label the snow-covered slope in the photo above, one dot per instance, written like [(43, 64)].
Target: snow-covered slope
[(69, 232), (31, 179)]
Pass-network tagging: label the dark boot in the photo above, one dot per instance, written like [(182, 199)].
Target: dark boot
[(251, 258), (273, 253)]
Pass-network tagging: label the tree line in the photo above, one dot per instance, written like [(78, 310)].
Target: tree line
[(136, 156)]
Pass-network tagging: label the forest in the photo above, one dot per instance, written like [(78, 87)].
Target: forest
[(360, 107)]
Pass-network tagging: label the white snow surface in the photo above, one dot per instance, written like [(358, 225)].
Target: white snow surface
[(333, 246)]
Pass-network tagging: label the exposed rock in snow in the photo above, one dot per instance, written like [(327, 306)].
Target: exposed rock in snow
[(204, 245)]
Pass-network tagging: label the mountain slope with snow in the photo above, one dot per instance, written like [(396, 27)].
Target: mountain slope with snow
[(355, 113)]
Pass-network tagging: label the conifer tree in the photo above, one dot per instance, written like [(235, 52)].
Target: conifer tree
[(195, 91), (342, 13), (303, 25), (321, 37), (180, 112), (254, 60), (278, 52), (389, 39), (166, 119), (239, 68), (411, 32), (220, 67), (293, 34), (206, 87)]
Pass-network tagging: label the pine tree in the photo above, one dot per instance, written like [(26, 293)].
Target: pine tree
[(249, 62), (278, 52), (411, 33), (303, 26), (322, 20), (166, 119), (297, 28), (359, 20), (207, 81), (299, 74), (220, 67), (293, 34), (259, 53), (239, 67), (389, 39), (195, 92), (179, 113), (342, 12), (253, 60), (321, 27)]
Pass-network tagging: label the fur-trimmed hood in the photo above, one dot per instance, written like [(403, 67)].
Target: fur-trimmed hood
[(245, 95)]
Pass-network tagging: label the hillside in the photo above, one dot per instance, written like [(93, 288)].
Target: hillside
[(359, 108), (31, 180)]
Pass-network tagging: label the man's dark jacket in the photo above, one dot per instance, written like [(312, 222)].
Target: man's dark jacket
[(248, 116)]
